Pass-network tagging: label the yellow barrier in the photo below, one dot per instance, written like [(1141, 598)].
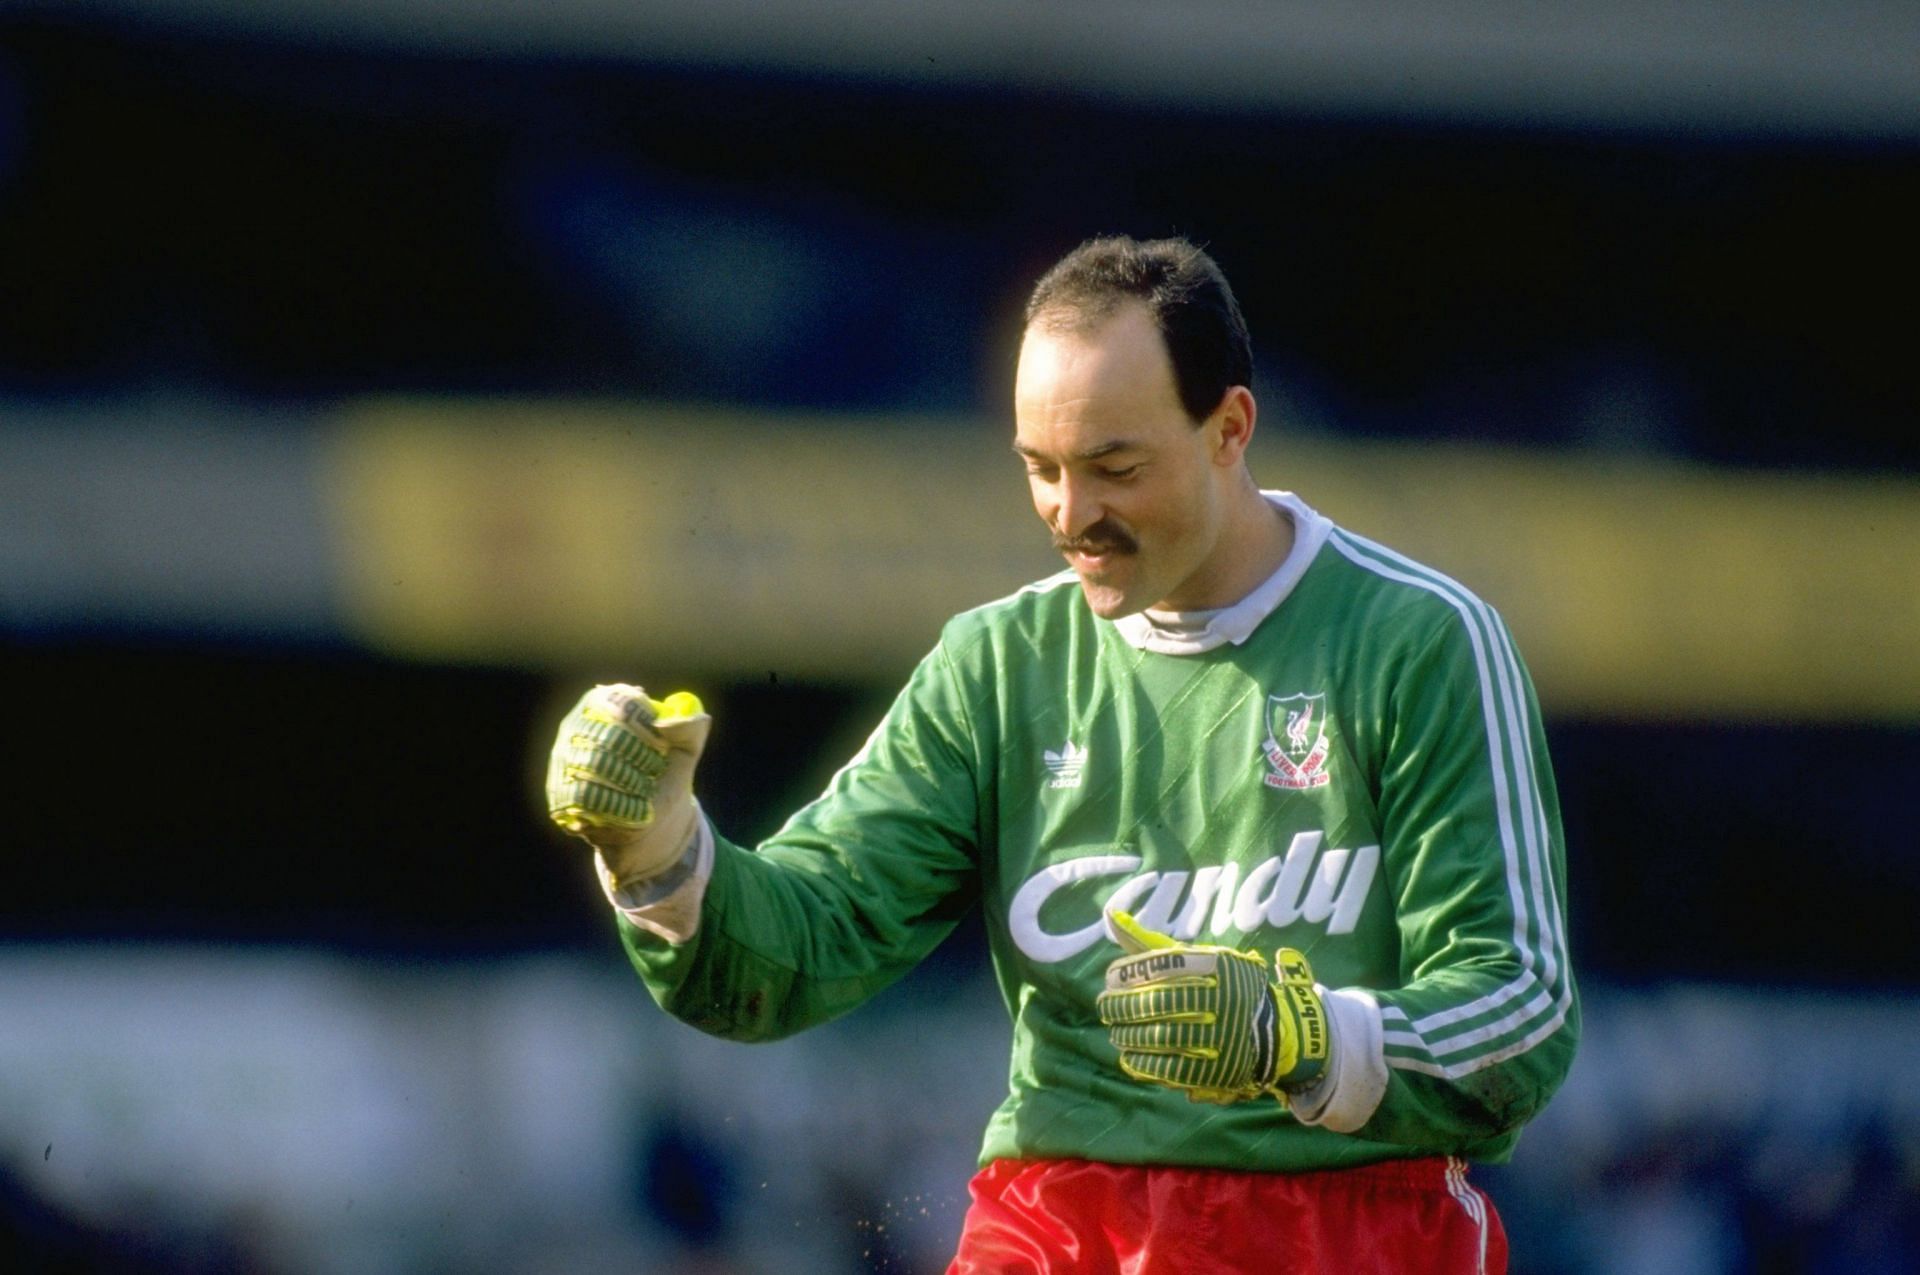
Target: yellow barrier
[(679, 543)]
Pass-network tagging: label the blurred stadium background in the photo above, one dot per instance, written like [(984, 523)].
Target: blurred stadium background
[(375, 374)]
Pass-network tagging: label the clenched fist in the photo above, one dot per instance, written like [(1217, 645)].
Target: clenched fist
[(621, 776)]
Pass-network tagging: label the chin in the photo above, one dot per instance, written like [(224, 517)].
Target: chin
[(1108, 602)]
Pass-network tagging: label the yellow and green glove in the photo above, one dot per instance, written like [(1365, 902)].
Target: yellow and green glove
[(1209, 1020), (621, 776)]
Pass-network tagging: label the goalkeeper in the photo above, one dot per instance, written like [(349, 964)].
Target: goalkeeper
[(1259, 814)]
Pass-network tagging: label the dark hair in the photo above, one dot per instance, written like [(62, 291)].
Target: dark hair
[(1182, 289)]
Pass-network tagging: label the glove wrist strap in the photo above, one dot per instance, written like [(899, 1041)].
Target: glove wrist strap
[(1302, 1050)]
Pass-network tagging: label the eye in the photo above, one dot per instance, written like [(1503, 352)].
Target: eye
[(1120, 472)]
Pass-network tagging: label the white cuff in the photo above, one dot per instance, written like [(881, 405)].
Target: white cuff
[(1348, 1094), (668, 903)]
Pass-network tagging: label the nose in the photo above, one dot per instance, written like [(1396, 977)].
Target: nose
[(1077, 505)]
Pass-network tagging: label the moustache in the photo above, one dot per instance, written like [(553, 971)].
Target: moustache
[(1102, 537)]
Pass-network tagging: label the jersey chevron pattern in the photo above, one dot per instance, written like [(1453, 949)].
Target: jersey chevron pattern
[(1363, 778)]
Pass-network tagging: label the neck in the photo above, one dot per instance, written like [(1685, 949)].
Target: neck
[(1254, 540), (1266, 540)]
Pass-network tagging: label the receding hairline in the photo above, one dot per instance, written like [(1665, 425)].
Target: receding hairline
[(1085, 317), (1087, 324), (1179, 289)]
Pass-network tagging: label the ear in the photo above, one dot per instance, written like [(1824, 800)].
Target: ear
[(1232, 425)]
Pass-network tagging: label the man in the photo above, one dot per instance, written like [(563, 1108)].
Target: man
[(1247, 732)]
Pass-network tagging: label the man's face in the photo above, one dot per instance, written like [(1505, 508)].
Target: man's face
[(1118, 470)]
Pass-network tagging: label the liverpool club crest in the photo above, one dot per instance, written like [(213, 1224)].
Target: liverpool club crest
[(1296, 746)]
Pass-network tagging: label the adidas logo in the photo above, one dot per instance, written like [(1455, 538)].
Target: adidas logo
[(1065, 765)]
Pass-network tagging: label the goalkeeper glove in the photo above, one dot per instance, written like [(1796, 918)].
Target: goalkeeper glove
[(1207, 1020), (621, 776)]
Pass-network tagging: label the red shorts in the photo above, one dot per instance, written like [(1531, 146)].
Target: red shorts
[(1055, 1217)]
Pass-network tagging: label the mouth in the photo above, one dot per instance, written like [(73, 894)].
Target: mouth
[(1095, 560)]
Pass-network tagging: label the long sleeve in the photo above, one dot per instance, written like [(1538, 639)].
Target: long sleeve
[(849, 895), (1483, 1028)]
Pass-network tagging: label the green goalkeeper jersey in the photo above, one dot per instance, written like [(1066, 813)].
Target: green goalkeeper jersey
[(1351, 765)]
